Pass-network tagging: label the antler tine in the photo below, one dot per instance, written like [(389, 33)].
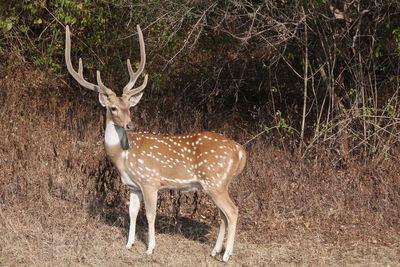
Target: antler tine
[(139, 89), (102, 87), (78, 76), (135, 75)]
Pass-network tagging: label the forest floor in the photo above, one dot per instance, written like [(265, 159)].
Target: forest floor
[(64, 234)]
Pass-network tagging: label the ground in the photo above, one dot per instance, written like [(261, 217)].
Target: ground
[(65, 234)]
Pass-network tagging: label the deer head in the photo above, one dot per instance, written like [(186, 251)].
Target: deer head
[(117, 106)]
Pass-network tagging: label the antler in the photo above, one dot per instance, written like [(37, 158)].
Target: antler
[(135, 75), (78, 76)]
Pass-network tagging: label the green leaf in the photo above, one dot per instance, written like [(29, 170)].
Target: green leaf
[(9, 25)]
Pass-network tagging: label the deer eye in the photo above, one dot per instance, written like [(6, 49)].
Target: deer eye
[(113, 109)]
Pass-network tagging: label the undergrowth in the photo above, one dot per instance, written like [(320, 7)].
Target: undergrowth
[(52, 149)]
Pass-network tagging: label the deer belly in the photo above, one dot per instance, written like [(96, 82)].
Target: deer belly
[(183, 187), (126, 180)]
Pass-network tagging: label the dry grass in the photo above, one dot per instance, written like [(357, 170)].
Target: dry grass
[(63, 204), (66, 235)]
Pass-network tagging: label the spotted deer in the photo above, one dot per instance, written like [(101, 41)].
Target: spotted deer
[(148, 162)]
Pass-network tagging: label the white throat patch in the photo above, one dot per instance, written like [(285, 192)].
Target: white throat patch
[(113, 135)]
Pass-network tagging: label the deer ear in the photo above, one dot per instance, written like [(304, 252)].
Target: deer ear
[(103, 99), (133, 100)]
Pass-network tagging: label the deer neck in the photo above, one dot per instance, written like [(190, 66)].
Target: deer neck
[(116, 142)]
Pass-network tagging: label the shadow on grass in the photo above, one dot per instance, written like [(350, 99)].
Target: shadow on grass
[(106, 204), (118, 216)]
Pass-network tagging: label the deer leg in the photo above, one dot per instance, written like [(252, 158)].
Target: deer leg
[(134, 205), (233, 215), (225, 204), (222, 228), (150, 201)]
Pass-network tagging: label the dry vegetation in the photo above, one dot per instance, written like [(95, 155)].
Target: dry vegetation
[(66, 235), (311, 88), (61, 202)]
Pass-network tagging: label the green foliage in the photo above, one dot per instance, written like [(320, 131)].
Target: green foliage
[(352, 91), (7, 24), (38, 25), (378, 50), (396, 37), (280, 125)]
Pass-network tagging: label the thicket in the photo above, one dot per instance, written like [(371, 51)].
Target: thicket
[(310, 87), (311, 71)]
